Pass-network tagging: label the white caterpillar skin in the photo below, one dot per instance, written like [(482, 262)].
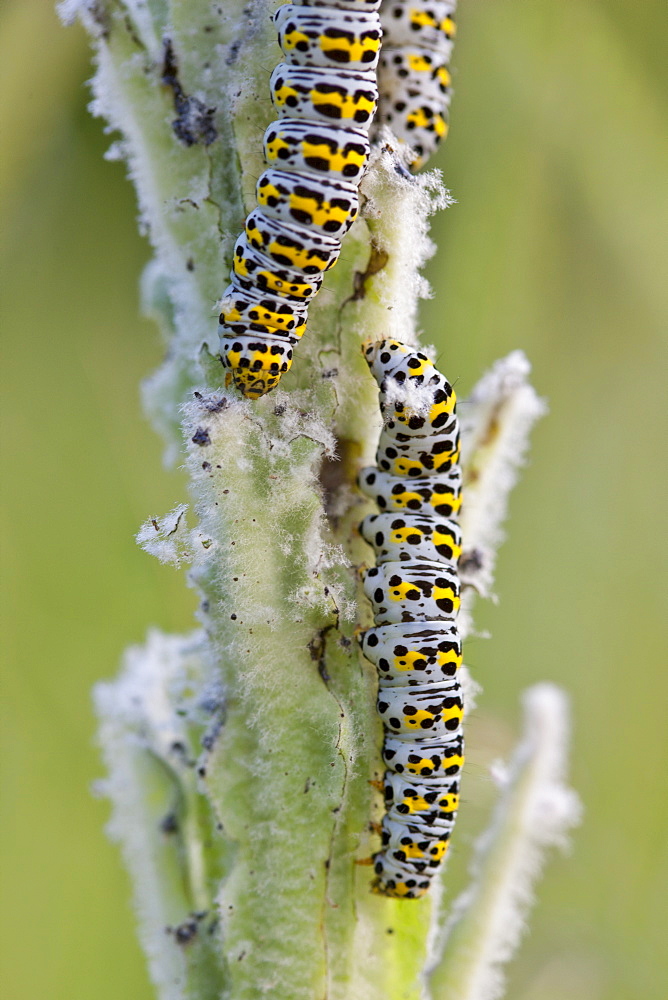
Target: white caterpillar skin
[(325, 95), (414, 593), (413, 75)]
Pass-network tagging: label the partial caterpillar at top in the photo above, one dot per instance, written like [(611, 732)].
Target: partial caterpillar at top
[(325, 95), (413, 75), (414, 593)]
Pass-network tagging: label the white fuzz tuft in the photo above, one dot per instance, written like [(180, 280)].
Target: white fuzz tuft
[(68, 10), (166, 537), (470, 690), (169, 539), (397, 210), (416, 399)]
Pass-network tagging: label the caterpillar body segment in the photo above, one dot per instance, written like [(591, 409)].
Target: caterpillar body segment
[(412, 536), (434, 803), (437, 758), (413, 73), (258, 363), (419, 494), (329, 207), (411, 844), (328, 36), (417, 455), (427, 23), (253, 271), (325, 95), (246, 311), (368, 5), (292, 246), (414, 593), (436, 711), (415, 398), (420, 653), (328, 151), (343, 97)]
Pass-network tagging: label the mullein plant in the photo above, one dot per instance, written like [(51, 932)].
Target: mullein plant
[(243, 758)]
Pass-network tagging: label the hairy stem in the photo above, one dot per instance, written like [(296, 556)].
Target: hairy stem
[(241, 759)]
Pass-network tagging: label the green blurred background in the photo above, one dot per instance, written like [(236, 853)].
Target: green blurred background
[(555, 246)]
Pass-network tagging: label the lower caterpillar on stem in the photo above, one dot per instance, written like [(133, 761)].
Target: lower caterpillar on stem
[(414, 593)]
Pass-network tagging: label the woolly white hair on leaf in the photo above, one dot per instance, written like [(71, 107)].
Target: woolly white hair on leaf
[(470, 690), (286, 455), (163, 216), (93, 16), (146, 722), (397, 211), (69, 10), (166, 537), (495, 421), (469, 949)]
